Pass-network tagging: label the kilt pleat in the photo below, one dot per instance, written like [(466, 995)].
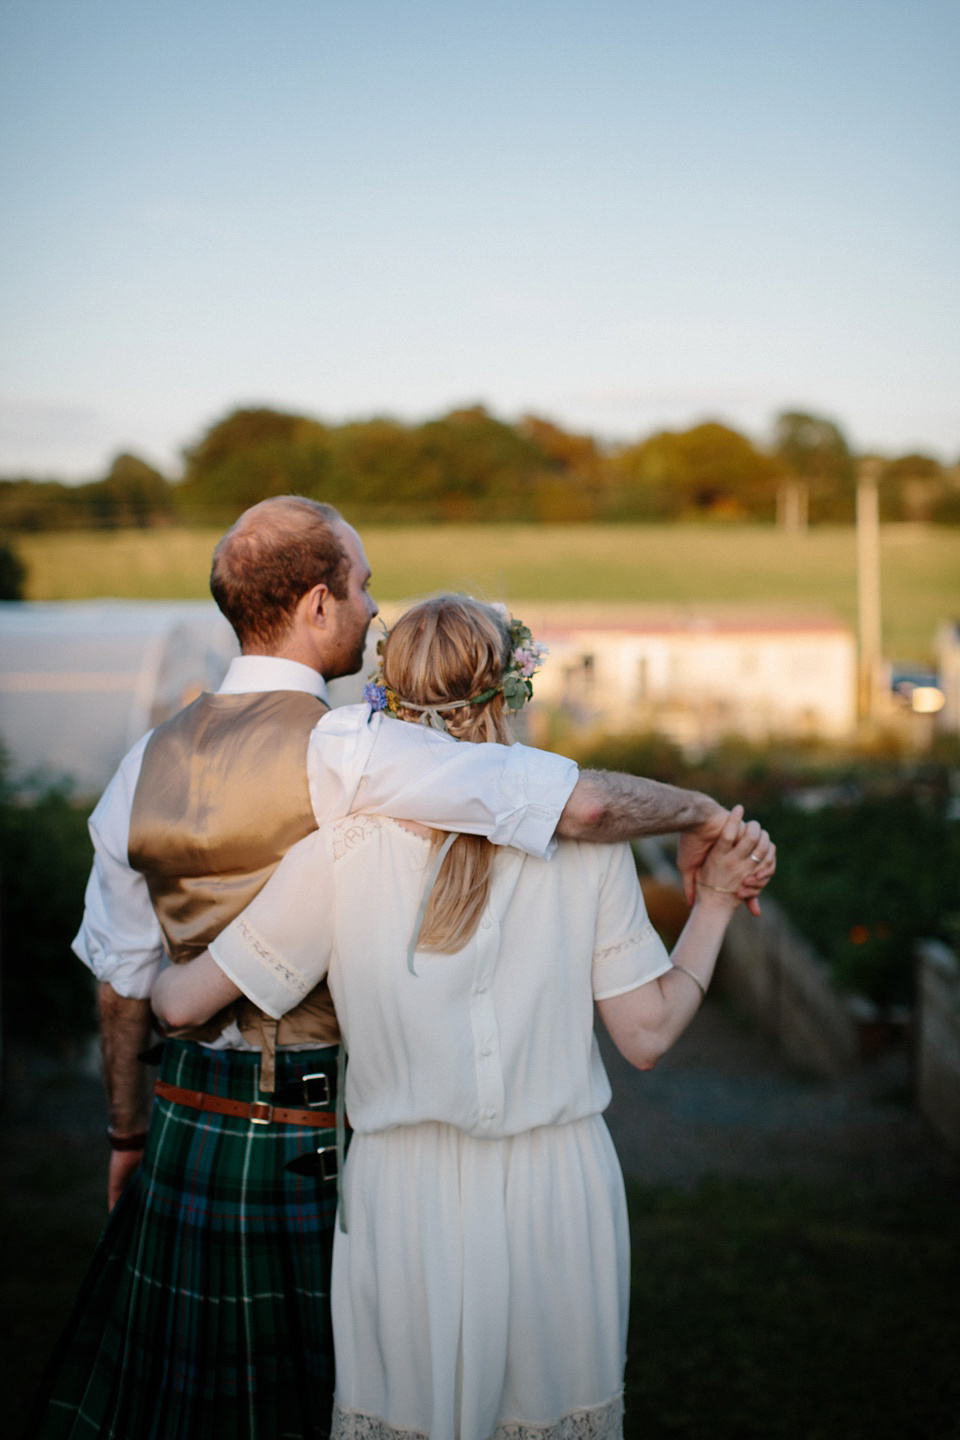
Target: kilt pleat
[(205, 1309)]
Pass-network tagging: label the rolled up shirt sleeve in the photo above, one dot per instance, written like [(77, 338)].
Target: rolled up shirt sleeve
[(360, 761), (119, 938)]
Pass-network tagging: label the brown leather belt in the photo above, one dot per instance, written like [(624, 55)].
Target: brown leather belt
[(258, 1112)]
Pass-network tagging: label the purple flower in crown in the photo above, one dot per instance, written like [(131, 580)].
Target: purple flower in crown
[(375, 695)]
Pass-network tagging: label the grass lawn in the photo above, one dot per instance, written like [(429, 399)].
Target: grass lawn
[(691, 564), (776, 1311), (760, 1310)]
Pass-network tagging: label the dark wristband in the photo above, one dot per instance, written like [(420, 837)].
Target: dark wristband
[(127, 1142)]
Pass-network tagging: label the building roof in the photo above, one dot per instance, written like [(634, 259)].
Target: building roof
[(698, 620)]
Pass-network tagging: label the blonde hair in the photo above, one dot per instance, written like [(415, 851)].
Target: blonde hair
[(451, 648)]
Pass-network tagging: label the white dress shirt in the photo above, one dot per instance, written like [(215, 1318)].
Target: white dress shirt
[(357, 761)]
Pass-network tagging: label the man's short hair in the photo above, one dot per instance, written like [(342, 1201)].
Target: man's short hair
[(269, 559)]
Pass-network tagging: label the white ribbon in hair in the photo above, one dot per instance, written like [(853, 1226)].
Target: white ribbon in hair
[(432, 718), (430, 714), (428, 885)]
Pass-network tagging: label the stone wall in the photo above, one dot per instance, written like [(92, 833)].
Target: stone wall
[(776, 977), (937, 1042)]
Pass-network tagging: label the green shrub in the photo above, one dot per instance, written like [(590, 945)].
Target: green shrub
[(13, 572), (866, 880), (864, 877), (44, 862)]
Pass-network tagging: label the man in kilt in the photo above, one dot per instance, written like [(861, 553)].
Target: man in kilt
[(205, 1308)]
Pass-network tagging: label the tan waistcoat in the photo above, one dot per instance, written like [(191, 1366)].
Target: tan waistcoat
[(222, 795)]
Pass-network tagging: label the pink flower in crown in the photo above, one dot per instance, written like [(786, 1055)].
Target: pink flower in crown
[(529, 658)]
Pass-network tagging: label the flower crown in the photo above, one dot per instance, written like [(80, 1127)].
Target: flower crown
[(516, 685)]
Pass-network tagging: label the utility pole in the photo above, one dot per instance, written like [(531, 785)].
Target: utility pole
[(792, 507), (868, 587)]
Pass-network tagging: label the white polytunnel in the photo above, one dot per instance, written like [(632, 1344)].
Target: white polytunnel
[(80, 681)]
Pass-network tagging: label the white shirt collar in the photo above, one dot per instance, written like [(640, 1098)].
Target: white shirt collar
[(251, 673)]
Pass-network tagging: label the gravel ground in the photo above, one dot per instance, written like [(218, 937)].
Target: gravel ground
[(723, 1102)]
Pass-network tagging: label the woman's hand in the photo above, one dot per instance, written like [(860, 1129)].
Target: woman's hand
[(646, 1021), (740, 863)]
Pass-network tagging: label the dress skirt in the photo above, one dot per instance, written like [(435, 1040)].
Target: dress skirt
[(204, 1312), (481, 1288)]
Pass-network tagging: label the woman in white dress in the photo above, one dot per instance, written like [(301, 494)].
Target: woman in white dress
[(481, 1269)]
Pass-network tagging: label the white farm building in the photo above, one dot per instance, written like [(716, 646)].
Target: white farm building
[(81, 681), (697, 674)]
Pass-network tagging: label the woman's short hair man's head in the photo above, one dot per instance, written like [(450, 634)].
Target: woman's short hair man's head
[(270, 558)]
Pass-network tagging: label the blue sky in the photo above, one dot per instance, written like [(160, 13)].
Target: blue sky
[(620, 215)]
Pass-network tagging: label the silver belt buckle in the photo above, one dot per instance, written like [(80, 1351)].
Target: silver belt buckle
[(319, 1082), (329, 1162)]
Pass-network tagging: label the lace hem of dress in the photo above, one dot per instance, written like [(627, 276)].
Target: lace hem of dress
[(600, 1422), (629, 942)]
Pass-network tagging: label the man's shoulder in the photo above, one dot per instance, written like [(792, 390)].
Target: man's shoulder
[(190, 725), (120, 790)]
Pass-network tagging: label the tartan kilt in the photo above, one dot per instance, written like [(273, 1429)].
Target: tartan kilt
[(205, 1311)]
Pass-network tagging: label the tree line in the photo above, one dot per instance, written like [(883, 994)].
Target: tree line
[(469, 466)]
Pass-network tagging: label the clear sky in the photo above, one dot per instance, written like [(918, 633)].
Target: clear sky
[(621, 214)]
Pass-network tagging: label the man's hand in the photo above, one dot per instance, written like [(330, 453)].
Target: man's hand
[(694, 846), (122, 1165)]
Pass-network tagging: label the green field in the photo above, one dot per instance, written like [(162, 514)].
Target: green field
[(644, 563)]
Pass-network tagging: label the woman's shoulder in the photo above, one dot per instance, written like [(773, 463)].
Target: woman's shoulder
[(353, 834), (576, 871), (596, 857)]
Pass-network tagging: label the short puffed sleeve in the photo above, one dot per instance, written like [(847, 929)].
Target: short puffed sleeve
[(279, 947), (628, 952)]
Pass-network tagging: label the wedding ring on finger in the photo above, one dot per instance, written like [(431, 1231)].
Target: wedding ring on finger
[(755, 858)]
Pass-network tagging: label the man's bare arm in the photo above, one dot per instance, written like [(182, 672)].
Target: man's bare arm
[(124, 1033), (608, 806)]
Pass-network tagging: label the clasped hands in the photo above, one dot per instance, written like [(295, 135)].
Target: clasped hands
[(730, 854)]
